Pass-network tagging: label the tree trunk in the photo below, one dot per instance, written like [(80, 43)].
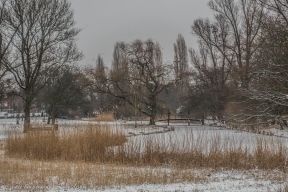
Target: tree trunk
[(53, 114), (53, 120), (27, 117), (152, 120), (154, 109)]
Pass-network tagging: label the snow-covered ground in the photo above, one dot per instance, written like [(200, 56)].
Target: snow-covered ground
[(242, 181), (228, 181)]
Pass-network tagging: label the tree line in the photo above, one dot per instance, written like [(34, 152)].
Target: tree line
[(237, 73)]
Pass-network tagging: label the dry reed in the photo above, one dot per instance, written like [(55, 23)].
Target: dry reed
[(88, 143), (105, 117), (283, 189), (100, 143)]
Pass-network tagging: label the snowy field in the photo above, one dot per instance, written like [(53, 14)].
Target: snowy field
[(226, 180)]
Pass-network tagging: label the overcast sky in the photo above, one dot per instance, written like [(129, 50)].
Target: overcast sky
[(104, 22)]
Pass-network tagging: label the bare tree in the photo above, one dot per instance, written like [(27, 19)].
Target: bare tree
[(209, 91), (278, 7), (214, 47), (5, 44), (2, 52), (211, 66), (44, 40), (244, 19), (141, 79), (228, 52)]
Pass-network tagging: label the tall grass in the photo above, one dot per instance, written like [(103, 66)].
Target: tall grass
[(284, 189), (88, 143), (101, 143), (105, 117)]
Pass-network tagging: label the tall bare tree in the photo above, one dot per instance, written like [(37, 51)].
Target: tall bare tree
[(119, 56), (44, 40), (180, 60), (181, 68), (103, 102), (120, 64)]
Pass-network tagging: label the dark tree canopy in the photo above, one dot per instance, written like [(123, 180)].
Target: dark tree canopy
[(66, 89)]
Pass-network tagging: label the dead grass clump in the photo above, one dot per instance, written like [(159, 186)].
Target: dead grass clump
[(87, 143), (189, 151), (105, 117), (270, 155)]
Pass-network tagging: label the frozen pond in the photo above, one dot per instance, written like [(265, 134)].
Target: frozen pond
[(187, 136)]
